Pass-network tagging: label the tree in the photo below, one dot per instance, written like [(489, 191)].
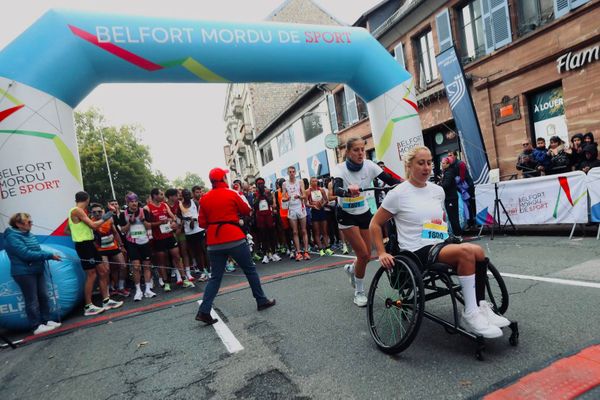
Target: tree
[(130, 161), (188, 181)]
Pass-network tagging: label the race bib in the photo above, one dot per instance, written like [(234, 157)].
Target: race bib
[(107, 241), (353, 202), (137, 232), (434, 231), (316, 196), (165, 228), (263, 205), (285, 205)]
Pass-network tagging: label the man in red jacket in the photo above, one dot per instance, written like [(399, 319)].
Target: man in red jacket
[(220, 211)]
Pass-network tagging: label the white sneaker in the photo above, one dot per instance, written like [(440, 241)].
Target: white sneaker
[(349, 268), (111, 304), (43, 328), (265, 260), (149, 293), (476, 322), (360, 299), (275, 258), (53, 324), (493, 318), (138, 295)]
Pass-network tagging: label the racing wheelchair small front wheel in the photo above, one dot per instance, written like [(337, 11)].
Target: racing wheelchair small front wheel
[(395, 306)]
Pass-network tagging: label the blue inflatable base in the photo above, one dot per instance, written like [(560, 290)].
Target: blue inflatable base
[(64, 283)]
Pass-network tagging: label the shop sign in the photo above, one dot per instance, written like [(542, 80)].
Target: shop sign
[(548, 113), (572, 61)]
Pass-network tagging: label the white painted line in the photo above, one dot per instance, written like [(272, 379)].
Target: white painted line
[(334, 255), (229, 340), (559, 281)]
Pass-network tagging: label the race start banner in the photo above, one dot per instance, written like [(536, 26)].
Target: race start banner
[(554, 199), (593, 186)]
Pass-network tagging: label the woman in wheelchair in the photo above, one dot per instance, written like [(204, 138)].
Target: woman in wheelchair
[(417, 207)]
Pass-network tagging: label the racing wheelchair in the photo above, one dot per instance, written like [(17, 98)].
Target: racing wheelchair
[(397, 298)]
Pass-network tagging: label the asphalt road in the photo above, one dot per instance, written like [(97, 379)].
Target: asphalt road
[(315, 343)]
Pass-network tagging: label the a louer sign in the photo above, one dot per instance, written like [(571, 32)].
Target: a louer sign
[(571, 61)]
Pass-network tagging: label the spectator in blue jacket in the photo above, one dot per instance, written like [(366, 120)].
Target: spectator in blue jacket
[(27, 261), (541, 157)]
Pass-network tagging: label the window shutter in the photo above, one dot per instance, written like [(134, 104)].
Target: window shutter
[(486, 15), (561, 7), (332, 113), (399, 55), (351, 104), (577, 3), (444, 31), (501, 23)]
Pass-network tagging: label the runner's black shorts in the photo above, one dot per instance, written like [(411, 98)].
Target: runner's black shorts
[(196, 239), (88, 254), (164, 245), (142, 252), (429, 254), (346, 220), (109, 253)]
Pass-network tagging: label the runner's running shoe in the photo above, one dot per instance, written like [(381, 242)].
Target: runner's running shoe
[(321, 252), (110, 304), (43, 328), (275, 258), (476, 322), (265, 260), (229, 267), (493, 318), (360, 299), (91, 309), (149, 293), (349, 268), (203, 277), (138, 295), (329, 252), (345, 249), (53, 324), (167, 287), (306, 255), (298, 257), (188, 284)]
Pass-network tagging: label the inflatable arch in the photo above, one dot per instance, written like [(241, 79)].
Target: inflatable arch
[(52, 66)]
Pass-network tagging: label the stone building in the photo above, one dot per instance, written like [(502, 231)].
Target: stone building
[(250, 107), (532, 66)]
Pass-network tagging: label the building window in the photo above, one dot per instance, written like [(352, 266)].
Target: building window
[(266, 154), (341, 110), (311, 122), (426, 58), (472, 31), (534, 13), (285, 141), (349, 109)]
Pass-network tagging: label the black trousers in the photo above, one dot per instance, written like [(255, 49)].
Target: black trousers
[(452, 210)]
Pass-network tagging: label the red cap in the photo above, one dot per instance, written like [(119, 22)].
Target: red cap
[(217, 174)]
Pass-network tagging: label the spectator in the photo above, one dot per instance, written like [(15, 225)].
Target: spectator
[(27, 261), (590, 151), (449, 184), (576, 150), (559, 159), (526, 162), (317, 199), (465, 180), (541, 157), (588, 138), (219, 215)]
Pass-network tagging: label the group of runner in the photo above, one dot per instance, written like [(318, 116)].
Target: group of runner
[(164, 233)]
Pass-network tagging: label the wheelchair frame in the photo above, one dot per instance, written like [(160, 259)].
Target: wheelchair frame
[(428, 282)]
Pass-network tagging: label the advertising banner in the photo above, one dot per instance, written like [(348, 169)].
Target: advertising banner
[(548, 114), (593, 186), (464, 115), (554, 199)]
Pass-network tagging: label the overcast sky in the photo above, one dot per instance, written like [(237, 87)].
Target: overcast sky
[(184, 129)]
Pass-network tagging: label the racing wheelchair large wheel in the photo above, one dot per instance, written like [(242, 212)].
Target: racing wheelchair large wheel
[(395, 306)]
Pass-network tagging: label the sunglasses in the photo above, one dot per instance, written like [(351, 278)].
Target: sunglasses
[(525, 144)]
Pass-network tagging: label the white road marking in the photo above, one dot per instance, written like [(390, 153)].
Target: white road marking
[(227, 337), (559, 281), (335, 255)]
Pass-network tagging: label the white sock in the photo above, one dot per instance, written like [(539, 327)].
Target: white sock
[(121, 284), (161, 282), (360, 285), (177, 275), (138, 287), (188, 272), (150, 284), (467, 282)]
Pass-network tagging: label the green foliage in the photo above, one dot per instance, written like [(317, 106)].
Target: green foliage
[(130, 161), (188, 181)]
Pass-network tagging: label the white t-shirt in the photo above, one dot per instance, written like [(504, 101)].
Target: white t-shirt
[(363, 179), (293, 190), (191, 212), (418, 213)]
